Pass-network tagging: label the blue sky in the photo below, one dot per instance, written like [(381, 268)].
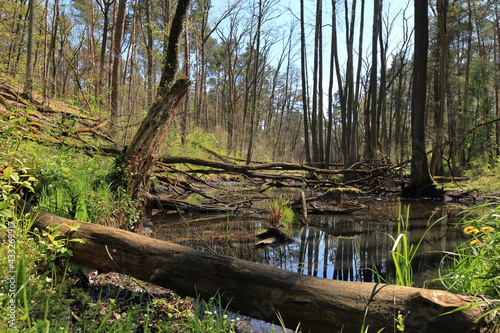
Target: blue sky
[(286, 12)]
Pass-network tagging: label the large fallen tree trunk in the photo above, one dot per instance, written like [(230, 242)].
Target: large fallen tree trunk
[(260, 291)]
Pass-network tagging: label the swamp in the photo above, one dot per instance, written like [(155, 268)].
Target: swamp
[(246, 166)]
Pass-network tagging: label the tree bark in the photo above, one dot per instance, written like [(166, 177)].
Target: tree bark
[(303, 71), (421, 183), (371, 119), (105, 7), (260, 291), (28, 84), (143, 150), (436, 166), (116, 69)]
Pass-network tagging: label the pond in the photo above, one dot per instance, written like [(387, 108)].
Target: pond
[(353, 247)]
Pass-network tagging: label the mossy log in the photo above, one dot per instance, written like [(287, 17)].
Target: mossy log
[(261, 291)]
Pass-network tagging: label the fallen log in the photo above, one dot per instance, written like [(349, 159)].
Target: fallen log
[(165, 204), (231, 167), (261, 291)]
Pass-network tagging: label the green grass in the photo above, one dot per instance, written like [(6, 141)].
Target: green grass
[(484, 178), (38, 292), (474, 266), (403, 252), (280, 212)]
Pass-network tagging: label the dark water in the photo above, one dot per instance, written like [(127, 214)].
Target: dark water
[(345, 247)]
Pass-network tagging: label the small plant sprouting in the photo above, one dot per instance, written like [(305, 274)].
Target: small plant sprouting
[(281, 214), (400, 321)]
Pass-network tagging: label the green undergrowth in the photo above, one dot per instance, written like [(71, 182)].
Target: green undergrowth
[(76, 186), (198, 143), (483, 179), (41, 291), (474, 266), (72, 184), (281, 213)]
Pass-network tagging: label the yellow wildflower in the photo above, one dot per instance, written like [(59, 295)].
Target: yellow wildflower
[(474, 242), (470, 230), (487, 229)]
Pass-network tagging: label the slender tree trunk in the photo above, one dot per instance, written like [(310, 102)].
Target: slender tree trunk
[(382, 132), (149, 52), (316, 112), (28, 83), (497, 78), (303, 68), (342, 87), (53, 89), (254, 102), (331, 100), (398, 123), (421, 183), (436, 166), (93, 52), (45, 51), (371, 121), (465, 106), (185, 70), (104, 6), (355, 112), (116, 70), (347, 94)]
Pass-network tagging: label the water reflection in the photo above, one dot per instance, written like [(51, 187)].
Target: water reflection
[(352, 248)]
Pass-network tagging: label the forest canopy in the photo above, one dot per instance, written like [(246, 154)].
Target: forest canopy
[(308, 81)]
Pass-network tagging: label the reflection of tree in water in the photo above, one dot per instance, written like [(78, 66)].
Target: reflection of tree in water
[(358, 250), (345, 250), (334, 247)]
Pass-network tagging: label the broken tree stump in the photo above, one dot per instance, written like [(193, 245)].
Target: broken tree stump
[(261, 291)]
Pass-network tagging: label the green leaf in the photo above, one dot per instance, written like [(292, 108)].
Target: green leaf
[(14, 176), (6, 213), (7, 172), (77, 240)]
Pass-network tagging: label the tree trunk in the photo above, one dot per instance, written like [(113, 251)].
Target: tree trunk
[(331, 101), (497, 83), (149, 51), (28, 83), (105, 8), (303, 69), (255, 80), (116, 69), (260, 291), (436, 166), (371, 120), (421, 183), (316, 112), (143, 150), (462, 160)]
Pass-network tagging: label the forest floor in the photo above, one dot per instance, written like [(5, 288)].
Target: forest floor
[(64, 124)]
